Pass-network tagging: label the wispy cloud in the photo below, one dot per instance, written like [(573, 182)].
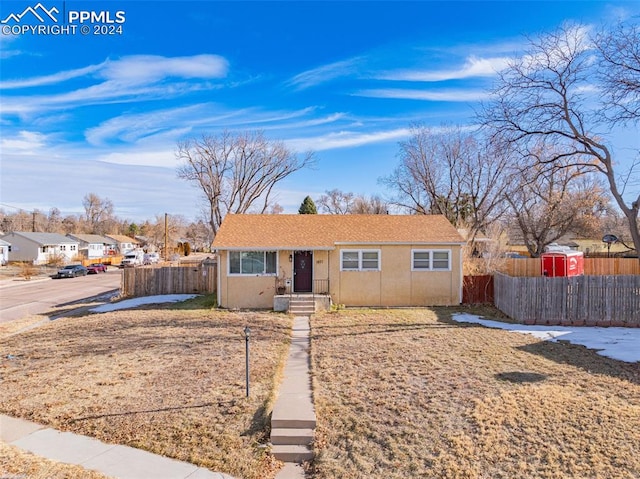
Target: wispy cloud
[(176, 123), (49, 79), (473, 67), (132, 78), (132, 127), (135, 70), (325, 73), (25, 142), (346, 139), (152, 68), (450, 95), (160, 156)]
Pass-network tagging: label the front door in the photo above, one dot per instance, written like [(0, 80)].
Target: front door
[(302, 271)]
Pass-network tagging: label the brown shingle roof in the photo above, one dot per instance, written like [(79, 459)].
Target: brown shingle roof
[(325, 231), (122, 239)]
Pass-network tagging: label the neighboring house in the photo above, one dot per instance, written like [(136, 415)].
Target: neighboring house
[(4, 252), (597, 246), (40, 248), (357, 260), (124, 244), (588, 246), (93, 246)]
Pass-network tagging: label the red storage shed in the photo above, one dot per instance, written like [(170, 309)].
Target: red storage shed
[(562, 263)]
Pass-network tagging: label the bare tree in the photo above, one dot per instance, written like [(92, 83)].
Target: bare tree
[(453, 173), (54, 221), (337, 202), (619, 71), (170, 231), (542, 98), (372, 205), (98, 213), (237, 172), (547, 203), (199, 235)]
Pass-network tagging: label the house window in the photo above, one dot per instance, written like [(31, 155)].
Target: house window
[(431, 260), (252, 262), (360, 260)]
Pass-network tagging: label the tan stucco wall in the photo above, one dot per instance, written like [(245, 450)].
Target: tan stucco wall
[(396, 284), (244, 292)]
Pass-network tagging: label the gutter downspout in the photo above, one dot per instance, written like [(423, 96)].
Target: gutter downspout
[(461, 276), (219, 276)]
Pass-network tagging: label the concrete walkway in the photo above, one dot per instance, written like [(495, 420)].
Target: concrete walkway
[(121, 462), (293, 419)]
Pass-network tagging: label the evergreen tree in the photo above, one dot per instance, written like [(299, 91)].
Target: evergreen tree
[(308, 207)]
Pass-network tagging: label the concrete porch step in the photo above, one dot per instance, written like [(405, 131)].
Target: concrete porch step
[(301, 423), (292, 453), (303, 307), (292, 437), (302, 312)]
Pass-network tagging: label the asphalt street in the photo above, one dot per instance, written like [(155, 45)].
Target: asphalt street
[(19, 298)]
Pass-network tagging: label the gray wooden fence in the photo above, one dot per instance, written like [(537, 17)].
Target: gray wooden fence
[(153, 280), (579, 300)]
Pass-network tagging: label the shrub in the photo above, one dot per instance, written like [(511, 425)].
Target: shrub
[(28, 270)]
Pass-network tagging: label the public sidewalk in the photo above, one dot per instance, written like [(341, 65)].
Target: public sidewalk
[(119, 462)]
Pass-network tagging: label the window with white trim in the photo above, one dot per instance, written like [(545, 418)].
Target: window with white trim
[(360, 260), (252, 262), (431, 260)]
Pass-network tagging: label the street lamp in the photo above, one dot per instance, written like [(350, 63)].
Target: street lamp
[(247, 334), (608, 239)]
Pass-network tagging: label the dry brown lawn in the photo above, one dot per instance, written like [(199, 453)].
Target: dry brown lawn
[(412, 394), (164, 379), (17, 464)]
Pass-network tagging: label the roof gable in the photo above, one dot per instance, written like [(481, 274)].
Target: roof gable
[(44, 239), (327, 231), (92, 239), (122, 239)]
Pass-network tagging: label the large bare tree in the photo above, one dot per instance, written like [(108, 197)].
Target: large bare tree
[(237, 172), (98, 213), (549, 202), (619, 71), (451, 172), (338, 202), (548, 97)]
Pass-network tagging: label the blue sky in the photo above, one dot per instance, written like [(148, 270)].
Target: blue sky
[(101, 113)]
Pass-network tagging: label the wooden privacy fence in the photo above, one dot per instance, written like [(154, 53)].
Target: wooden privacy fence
[(477, 289), (578, 300), (149, 281), (592, 266)]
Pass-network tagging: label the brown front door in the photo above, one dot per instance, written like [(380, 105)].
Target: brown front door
[(302, 271)]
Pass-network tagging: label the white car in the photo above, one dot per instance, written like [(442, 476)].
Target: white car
[(151, 258)]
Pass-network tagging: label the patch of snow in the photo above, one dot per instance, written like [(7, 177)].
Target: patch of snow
[(134, 302), (622, 344)]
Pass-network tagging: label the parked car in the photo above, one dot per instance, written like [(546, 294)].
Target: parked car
[(71, 271), (95, 268), (151, 258)]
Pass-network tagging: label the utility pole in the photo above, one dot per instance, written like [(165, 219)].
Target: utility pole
[(33, 222), (166, 236)]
